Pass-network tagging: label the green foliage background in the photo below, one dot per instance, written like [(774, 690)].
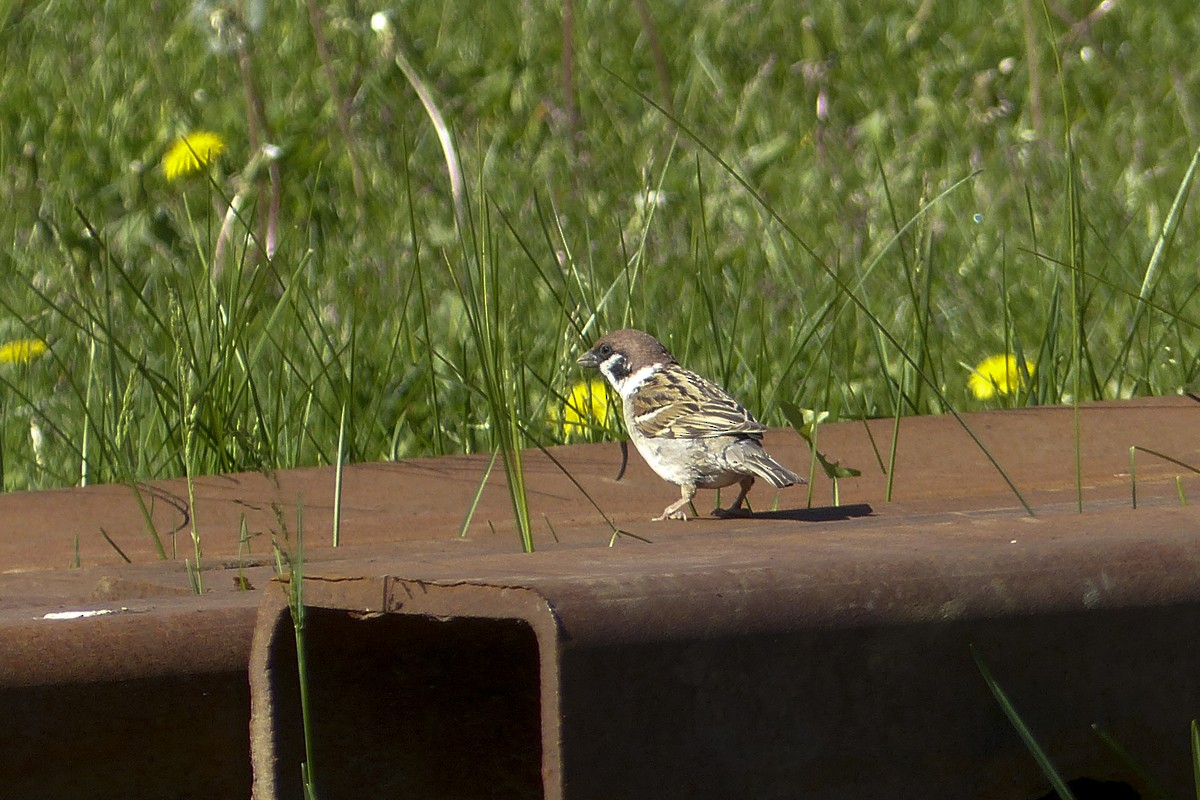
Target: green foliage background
[(1070, 129)]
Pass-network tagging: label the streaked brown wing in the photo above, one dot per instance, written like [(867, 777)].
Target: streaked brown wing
[(679, 404)]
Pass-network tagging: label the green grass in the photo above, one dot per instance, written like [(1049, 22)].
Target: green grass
[(1027, 736), (795, 236)]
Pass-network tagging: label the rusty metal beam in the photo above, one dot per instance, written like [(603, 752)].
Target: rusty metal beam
[(770, 655), (146, 700), (812, 662), (937, 469)]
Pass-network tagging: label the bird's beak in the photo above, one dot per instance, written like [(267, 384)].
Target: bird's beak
[(588, 359)]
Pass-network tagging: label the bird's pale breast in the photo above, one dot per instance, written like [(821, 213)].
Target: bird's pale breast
[(695, 462)]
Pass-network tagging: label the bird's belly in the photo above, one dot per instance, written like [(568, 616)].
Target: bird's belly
[(695, 462)]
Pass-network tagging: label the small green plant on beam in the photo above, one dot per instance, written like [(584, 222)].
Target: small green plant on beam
[(616, 531), (487, 473), (1134, 449), (241, 582), (337, 479), (806, 421), (189, 413), (478, 284)]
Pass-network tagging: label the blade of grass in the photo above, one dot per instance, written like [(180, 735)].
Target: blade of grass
[(1167, 458), (617, 532), (111, 544), (293, 566), (1133, 765), (1196, 758), (339, 468), (1039, 755), (1133, 475), (1165, 235)]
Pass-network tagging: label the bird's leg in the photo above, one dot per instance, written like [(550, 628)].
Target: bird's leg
[(736, 509), (675, 510)]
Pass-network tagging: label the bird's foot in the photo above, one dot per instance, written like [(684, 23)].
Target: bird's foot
[(731, 512), (676, 509)]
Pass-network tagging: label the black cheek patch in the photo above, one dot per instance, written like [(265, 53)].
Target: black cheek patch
[(617, 367)]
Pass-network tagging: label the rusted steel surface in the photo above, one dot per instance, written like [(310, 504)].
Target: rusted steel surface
[(759, 663), (120, 683), (937, 468), (794, 653), (130, 641)]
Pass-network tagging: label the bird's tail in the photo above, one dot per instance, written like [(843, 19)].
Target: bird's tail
[(753, 457)]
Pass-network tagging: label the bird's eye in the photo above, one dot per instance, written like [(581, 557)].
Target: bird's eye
[(606, 349)]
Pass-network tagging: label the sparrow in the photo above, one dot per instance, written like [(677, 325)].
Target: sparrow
[(688, 429)]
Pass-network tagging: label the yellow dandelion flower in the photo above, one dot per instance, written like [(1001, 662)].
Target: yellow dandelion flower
[(585, 408), (999, 374), (191, 153), (21, 351)]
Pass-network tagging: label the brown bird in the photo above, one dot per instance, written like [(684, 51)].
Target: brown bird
[(688, 429)]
